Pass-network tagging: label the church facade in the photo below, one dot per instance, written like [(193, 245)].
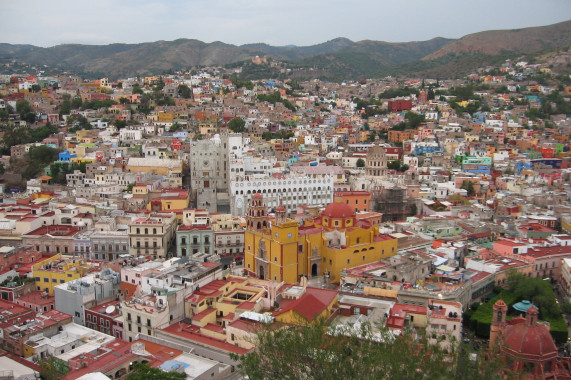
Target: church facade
[(281, 250)]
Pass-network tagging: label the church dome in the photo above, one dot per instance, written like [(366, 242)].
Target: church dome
[(529, 340), (338, 211)]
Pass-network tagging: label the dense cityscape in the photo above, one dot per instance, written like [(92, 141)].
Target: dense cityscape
[(195, 224)]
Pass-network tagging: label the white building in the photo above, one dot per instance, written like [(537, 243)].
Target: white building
[(565, 283), (72, 340), (291, 191), (128, 134), (75, 296)]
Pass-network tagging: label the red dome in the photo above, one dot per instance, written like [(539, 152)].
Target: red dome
[(338, 211), (528, 340), (257, 196)]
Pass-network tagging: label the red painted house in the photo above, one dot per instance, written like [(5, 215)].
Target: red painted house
[(105, 318), (400, 105)]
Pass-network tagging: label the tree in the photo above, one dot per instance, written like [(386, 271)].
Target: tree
[(23, 107), (237, 125), (320, 352), (25, 110), (360, 163), (65, 106), (469, 187), (14, 136), (463, 93), (175, 127), (43, 154), (120, 124), (146, 372), (430, 95), (53, 368), (566, 308), (184, 91), (137, 89), (76, 103), (393, 165)]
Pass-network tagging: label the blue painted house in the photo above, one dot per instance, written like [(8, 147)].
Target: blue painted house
[(65, 156)]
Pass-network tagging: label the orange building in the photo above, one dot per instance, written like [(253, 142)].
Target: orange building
[(400, 136), (357, 200)]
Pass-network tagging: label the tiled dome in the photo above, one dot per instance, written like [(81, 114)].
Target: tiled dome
[(529, 340), (338, 211)]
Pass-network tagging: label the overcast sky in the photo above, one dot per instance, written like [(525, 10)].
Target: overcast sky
[(276, 22)]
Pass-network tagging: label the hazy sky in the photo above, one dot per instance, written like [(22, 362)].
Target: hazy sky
[(276, 22)]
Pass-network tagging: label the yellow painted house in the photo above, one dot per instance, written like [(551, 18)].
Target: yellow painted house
[(57, 270), (165, 117), (160, 166), (281, 250), (303, 305)]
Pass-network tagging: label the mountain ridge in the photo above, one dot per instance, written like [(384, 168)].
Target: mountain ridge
[(338, 58)]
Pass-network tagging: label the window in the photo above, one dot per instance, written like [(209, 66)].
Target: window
[(148, 322), (363, 258), (348, 261), (46, 279)]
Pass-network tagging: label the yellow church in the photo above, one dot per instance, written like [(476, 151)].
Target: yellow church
[(281, 250)]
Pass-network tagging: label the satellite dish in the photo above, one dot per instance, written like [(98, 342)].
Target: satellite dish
[(110, 309)]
